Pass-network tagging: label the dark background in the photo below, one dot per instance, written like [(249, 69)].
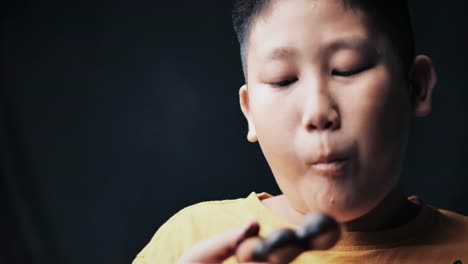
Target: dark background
[(116, 114)]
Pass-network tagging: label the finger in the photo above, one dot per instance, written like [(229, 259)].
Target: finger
[(245, 250), (248, 251), (221, 246), (319, 232)]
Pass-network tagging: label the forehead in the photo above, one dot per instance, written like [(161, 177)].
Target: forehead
[(308, 26)]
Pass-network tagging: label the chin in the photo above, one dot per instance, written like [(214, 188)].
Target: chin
[(346, 207)]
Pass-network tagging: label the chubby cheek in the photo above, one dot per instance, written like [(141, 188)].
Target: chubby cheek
[(379, 120), (275, 118)]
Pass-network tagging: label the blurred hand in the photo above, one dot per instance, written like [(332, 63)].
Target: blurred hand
[(220, 247)]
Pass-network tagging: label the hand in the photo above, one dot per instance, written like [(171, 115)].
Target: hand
[(318, 232), (220, 247)]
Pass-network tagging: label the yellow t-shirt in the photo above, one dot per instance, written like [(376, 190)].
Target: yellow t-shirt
[(433, 236)]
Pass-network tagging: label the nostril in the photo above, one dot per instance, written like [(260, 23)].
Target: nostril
[(311, 127), (322, 122), (328, 125)]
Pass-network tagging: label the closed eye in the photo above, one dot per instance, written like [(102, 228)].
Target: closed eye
[(284, 83), (349, 73)]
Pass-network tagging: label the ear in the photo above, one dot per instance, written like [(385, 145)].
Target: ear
[(245, 107), (423, 80)]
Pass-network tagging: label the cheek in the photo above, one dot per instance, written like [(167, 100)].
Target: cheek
[(273, 112), (275, 119), (379, 118)]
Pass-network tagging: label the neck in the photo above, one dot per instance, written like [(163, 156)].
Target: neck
[(393, 211)]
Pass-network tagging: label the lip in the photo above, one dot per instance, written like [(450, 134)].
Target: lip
[(329, 165)]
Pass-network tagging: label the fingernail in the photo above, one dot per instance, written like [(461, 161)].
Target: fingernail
[(251, 230)]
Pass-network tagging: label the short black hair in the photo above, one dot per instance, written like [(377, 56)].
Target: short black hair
[(391, 17)]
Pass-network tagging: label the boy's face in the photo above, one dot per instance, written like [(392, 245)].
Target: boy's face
[(328, 104)]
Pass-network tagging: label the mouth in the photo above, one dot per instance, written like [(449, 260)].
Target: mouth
[(329, 165)]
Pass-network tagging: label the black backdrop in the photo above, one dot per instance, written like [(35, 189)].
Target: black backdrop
[(116, 114)]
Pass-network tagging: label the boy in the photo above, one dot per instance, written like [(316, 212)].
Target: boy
[(331, 86)]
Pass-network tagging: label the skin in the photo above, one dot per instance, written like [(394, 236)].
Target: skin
[(331, 111), (332, 92)]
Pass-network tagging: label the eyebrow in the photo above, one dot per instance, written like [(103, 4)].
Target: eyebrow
[(334, 46), (349, 43), (281, 53)]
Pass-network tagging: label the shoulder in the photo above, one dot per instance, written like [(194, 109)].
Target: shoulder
[(440, 226), (192, 224), (456, 225), (445, 235), (455, 217), (209, 215), (448, 236)]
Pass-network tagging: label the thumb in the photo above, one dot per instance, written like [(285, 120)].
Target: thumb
[(219, 247)]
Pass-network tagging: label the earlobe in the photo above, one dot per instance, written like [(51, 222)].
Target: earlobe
[(423, 80), (245, 107)]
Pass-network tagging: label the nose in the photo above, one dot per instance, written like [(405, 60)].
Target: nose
[(320, 111)]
